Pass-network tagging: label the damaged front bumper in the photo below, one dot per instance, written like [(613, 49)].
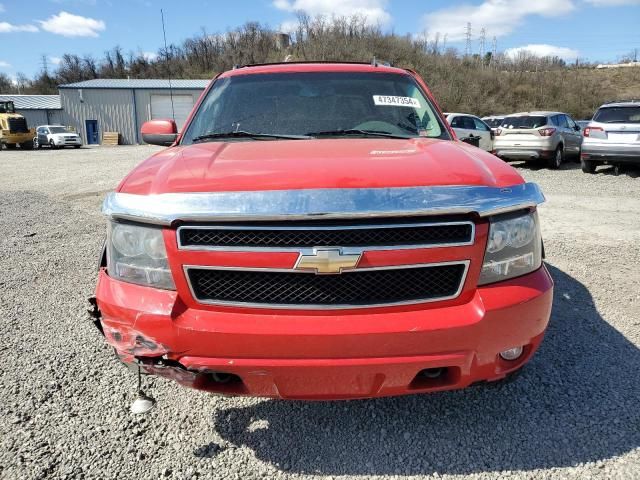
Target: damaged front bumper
[(337, 355)]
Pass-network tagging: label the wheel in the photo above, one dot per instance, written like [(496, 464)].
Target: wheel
[(588, 166), (557, 159), (27, 145), (35, 143), (10, 146), (617, 170), (77, 146), (52, 144)]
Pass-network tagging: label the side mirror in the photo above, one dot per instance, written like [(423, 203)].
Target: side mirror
[(159, 132), (577, 128)]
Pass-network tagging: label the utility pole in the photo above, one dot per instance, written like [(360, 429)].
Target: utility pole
[(467, 34)]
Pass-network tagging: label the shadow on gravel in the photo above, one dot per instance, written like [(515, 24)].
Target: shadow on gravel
[(632, 171), (568, 164), (576, 401)]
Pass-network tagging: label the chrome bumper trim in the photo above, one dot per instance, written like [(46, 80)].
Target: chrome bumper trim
[(329, 203)]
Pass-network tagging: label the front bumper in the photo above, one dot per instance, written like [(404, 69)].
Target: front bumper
[(67, 142), (326, 355), (610, 152)]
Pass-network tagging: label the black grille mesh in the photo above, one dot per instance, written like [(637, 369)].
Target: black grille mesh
[(18, 125), (396, 236), (351, 288)]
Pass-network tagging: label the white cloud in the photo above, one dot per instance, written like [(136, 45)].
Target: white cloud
[(150, 56), (612, 3), (497, 17), (374, 11), (9, 28), (288, 26), (4, 64), (55, 60), (543, 50), (69, 25)]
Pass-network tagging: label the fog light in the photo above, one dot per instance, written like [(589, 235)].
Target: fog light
[(512, 354)]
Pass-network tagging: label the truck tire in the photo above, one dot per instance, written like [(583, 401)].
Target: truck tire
[(27, 145), (10, 146), (556, 160), (52, 145), (588, 166)]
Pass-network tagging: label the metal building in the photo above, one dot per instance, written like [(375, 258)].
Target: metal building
[(37, 109), (121, 105)]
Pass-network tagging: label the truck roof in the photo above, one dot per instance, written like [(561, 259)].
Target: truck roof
[(290, 67)]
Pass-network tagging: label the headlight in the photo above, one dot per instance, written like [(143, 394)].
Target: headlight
[(513, 249), (137, 254)]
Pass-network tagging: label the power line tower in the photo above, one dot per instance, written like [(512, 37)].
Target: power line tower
[(467, 34), (483, 41), (494, 50), (444, 43), (45, 64)]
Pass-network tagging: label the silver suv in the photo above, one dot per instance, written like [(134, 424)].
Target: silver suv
[(612, 137), (548, 136)]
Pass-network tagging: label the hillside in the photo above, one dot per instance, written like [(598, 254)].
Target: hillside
[(465, 84)]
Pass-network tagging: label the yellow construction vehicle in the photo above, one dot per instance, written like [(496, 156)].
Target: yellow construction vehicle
[(13, 128)]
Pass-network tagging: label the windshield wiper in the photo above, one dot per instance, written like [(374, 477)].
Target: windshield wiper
[(355, 131), (244, 134)]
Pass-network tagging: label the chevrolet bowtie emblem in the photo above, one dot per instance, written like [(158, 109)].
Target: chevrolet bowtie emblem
[(328, 260)]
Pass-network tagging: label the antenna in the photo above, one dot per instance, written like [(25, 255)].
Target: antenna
[(166, 52)]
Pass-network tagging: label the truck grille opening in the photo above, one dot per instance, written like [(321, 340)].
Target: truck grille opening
[(366, 287), (394, 234), (18, 125)]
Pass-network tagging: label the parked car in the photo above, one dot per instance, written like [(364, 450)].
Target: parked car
[(546, 136), (468, 127), (494, 121), (613, 136), (583, 124), (56, 136), (317, 232)]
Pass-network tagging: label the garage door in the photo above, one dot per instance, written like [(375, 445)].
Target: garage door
[(161, 107)]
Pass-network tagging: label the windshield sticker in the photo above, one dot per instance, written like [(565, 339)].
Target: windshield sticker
[(392, 101)]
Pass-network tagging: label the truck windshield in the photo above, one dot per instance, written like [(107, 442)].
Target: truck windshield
[(314, 105), (7, 107), (629, 114)]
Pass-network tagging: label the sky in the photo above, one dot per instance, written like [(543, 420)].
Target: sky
[(594, 30)]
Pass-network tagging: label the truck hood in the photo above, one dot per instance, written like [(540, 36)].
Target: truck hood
[(317, 163)]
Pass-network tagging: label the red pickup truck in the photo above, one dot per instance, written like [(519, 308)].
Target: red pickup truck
[(316, 231)]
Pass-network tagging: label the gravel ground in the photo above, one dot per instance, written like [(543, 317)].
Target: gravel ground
[(573, 413)]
